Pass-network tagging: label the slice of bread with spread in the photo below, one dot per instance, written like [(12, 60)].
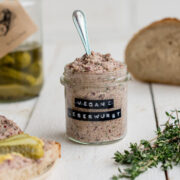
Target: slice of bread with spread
[(15, 166), (153, 54)]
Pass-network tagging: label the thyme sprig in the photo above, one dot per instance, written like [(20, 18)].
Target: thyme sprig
[(163, 149)]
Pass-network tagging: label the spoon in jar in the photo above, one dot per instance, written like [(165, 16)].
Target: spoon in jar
[(79, 20)]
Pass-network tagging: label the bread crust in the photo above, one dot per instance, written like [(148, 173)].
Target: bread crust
[(59, 148), (150, 26), (133, 39), (156, 81)]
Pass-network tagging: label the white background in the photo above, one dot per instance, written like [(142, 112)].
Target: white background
[(107, 19)]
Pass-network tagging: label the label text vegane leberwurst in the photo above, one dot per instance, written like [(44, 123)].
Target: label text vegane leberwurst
[(94, 116), (94, 104)]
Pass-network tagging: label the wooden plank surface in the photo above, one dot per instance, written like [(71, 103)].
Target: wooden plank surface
[(84, 161), (20, 112), (167, 98)]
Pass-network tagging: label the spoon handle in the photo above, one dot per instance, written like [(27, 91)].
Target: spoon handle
[(81, 26)]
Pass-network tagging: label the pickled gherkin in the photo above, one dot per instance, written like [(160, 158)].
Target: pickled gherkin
[(22, 60), (21, 74), (34, 68), (28, 146), (7, 60), (17, 75)]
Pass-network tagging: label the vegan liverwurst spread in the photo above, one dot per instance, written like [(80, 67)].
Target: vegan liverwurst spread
[(8, 128), (96, 98)]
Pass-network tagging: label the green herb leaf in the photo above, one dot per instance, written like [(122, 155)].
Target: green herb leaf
[(163, 149)]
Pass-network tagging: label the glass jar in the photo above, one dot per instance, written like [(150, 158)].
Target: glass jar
[(21, 74), (96, 106)]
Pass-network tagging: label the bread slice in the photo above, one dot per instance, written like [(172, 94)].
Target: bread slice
[(153, 54), (23, 168)]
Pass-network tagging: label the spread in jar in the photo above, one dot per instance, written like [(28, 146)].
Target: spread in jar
[(96, 99)]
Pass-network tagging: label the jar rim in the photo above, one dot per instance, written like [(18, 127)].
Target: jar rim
[(95, 80)]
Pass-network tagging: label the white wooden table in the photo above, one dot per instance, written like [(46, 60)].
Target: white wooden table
[(45, 117)]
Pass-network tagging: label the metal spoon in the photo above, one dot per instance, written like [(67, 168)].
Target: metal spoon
[(79, 20)]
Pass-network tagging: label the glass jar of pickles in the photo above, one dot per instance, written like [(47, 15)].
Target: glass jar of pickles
[(21, 74)]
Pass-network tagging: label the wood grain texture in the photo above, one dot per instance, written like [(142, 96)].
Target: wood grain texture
[(167, 98), (84, 161)]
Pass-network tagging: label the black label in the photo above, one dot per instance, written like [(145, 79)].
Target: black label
[(5, 21), (94, 104), (94, 116)]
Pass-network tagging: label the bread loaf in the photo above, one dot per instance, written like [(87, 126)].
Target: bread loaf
[(153, 54)]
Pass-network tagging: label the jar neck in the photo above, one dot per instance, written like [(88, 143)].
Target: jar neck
[(95, 80)]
